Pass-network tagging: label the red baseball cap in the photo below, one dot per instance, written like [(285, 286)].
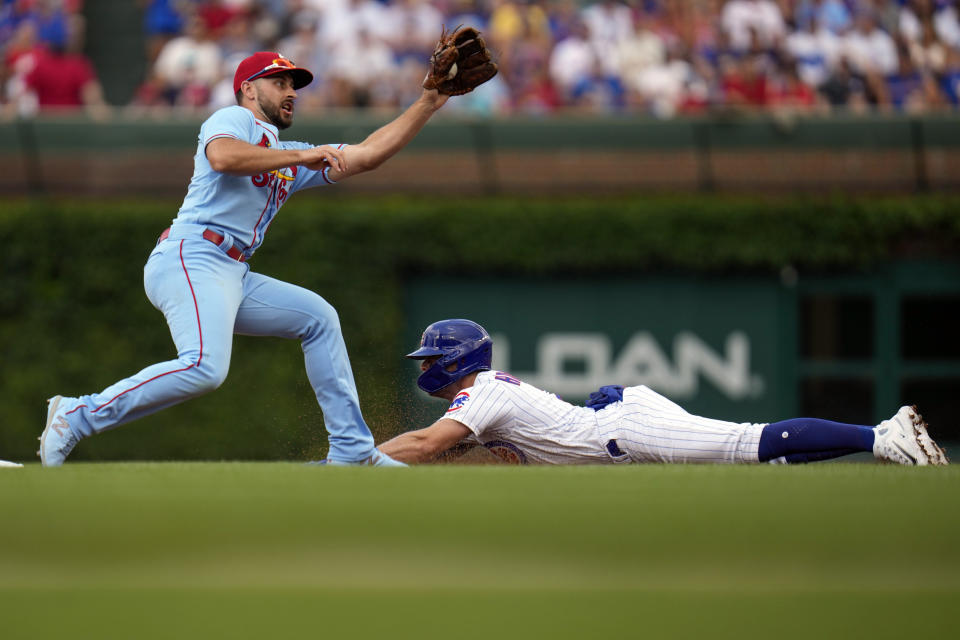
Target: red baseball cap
[(268, 63)]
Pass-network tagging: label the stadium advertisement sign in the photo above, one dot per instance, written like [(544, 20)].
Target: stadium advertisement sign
[(716, 346)]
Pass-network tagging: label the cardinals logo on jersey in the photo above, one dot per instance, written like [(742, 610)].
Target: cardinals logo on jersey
[(461, 399), (288, 174), (263, 179)]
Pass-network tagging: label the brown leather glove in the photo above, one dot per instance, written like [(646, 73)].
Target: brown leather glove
[(460, 63)]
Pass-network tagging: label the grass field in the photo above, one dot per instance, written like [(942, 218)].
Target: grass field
[(237, 550)]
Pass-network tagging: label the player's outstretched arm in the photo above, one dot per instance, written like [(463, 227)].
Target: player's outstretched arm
[(386, 141), (239, 158), (460, 63), (424, 445)]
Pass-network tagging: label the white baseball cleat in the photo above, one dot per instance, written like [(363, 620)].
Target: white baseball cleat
[(380, 459), (376, 459), (904, 439), (58, 439)]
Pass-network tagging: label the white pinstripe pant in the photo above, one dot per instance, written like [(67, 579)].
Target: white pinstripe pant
[(650, 428)]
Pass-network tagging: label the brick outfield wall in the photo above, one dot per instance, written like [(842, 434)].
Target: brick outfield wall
[(574, 155), (166, 173)]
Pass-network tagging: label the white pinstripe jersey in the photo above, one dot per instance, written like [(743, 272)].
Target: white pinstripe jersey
[(523, 424)]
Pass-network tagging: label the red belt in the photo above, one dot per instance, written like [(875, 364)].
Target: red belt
[(215, 238)]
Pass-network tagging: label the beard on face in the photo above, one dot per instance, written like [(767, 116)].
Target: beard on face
[(274, 114)]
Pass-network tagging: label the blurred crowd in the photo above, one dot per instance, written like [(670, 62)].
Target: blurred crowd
[(657, 57), (43, 66)]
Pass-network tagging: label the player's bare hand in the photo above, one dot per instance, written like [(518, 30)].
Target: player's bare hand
[(319, 158)]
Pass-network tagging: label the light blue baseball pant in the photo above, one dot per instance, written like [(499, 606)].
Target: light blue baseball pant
[(206, 297)]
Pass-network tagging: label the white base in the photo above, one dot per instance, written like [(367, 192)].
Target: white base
[(9, 465)]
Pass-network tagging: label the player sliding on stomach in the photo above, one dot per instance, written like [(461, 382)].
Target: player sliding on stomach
[(198, 275), (523, 424)]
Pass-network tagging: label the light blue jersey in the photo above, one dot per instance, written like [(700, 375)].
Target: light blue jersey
[(242, 207)]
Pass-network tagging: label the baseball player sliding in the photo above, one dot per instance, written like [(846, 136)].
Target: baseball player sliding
[(199, 276), (523, 424)]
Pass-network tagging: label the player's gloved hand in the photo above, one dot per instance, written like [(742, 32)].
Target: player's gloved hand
[(460, 63), (605, 395)]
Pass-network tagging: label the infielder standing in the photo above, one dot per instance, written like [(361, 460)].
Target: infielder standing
[(523, 424), (198, 275)]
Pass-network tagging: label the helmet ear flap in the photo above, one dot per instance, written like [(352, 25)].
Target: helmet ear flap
[(434, 379)]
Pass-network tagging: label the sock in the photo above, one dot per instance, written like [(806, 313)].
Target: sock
[(809, 439)]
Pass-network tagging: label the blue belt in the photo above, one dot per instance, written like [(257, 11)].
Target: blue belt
[(613, 449)]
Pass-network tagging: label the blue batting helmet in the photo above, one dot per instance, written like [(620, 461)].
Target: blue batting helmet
[(458, 342)]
